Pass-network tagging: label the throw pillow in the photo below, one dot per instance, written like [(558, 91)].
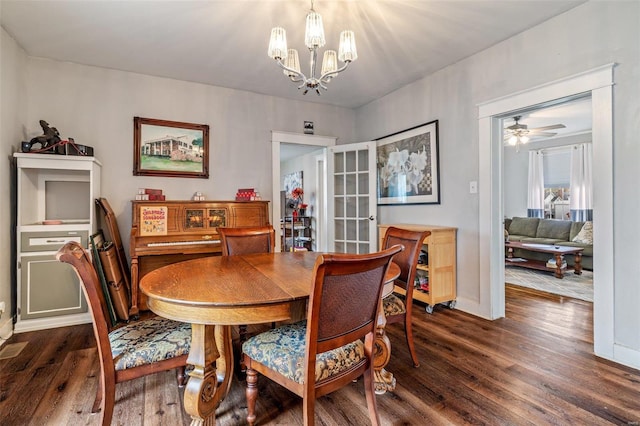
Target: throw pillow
[(585, 236)]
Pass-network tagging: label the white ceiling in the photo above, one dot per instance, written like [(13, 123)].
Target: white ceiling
[(224, 42)]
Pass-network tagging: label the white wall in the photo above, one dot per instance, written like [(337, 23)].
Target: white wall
[(12, 116), (96, 107), (591, 35)]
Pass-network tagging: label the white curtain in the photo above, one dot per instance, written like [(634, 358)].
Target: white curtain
[(581, 201), (535, 204)]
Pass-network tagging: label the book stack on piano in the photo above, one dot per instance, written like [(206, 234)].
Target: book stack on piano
[(148, 194)]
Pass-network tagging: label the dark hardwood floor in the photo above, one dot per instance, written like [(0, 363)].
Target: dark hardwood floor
[(535, 367)]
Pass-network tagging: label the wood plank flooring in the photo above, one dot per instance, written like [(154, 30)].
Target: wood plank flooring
[(534, 367)]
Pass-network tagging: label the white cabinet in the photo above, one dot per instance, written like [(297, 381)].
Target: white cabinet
[(56, 204)]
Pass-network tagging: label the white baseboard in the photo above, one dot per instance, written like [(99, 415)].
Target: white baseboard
[(51, 322), (626, 356)]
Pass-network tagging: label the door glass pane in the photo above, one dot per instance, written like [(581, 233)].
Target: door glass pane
[(339, 224), (352, 230), (351, 185), (363, 183), (338, 159), (363, 206), (350, 161), (338, 207), (352, 248), (338, 184), (352, 210), (363, 234), (364, 248), (363, 159), (339, 247)]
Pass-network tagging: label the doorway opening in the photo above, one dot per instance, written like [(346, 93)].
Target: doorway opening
[(598, 83), (537, 187)]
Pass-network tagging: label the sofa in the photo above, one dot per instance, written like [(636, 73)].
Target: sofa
[(552, 232)]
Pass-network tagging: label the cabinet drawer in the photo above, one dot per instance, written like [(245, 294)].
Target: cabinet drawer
[(50, 241)]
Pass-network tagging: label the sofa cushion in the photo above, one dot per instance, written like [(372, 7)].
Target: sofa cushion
[(576, 227), (554, 228), (585, 235), (525, 226)]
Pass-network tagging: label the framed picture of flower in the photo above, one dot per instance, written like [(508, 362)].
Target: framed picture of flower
[(408, 167)]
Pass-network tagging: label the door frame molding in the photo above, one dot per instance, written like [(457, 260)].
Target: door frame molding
[(277, 138), (599, 83)]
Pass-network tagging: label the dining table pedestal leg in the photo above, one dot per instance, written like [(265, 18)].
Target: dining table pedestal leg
[(209, 381), (383, 380)]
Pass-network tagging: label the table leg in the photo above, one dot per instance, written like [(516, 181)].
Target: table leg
[(383, 380), (577, 267), (559, 260), (209, 382)]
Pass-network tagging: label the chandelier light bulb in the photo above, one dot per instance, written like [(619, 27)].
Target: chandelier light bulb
[(278, 43), (524, 139), (293, 62), (347, 48), (314, 34), (329, 62), (513, 140)]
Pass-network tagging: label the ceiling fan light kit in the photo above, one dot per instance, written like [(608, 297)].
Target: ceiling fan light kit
[(518, 134), (289, 61)]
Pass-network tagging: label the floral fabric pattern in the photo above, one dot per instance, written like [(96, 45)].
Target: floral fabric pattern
[(282, 349), (393, 305), (148, 341)]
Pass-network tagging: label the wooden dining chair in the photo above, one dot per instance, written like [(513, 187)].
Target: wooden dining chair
[(326, 352), (248, 240), (132, 350), (395, 308)]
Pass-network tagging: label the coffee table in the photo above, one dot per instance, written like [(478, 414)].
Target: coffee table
[(558, 251)]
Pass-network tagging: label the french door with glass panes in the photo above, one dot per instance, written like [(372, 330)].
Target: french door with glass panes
[(352, 198)]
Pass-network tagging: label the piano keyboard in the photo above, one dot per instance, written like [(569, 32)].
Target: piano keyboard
[(182, 243)]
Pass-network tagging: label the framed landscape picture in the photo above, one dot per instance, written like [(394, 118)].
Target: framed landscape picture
[(408, 167), (170, 148)]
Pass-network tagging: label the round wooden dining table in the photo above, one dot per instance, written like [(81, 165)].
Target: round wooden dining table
[(214, 293)]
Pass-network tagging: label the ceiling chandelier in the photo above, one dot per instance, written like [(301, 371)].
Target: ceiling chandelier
[(289, 61)]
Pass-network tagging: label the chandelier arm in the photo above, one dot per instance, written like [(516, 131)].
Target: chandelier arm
[(332, 74), (298, 74)]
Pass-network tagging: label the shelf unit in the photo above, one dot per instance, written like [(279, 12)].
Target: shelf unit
[(296, 233), (55, 205), (440, 270)]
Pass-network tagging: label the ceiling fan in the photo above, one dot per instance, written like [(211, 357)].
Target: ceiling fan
[(517, 134)]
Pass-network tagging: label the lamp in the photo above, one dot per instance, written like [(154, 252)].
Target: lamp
[(289, 61)]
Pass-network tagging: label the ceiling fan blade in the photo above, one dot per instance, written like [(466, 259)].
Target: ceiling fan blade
[(546, 134), (553, 126)]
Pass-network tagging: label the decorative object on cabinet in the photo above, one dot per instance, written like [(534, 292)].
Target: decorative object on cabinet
[(439, 274), (170, 148), (408, 166), (135, 349), (185, 238), (60, 191)]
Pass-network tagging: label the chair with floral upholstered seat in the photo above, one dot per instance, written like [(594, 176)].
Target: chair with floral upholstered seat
[(395, 308), (335, 345), (132, 350)]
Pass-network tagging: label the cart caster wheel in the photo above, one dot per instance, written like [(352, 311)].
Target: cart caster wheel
[(451, 304), (429, 309)]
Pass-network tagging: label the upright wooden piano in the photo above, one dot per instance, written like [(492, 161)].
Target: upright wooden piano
[(165, 232)]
